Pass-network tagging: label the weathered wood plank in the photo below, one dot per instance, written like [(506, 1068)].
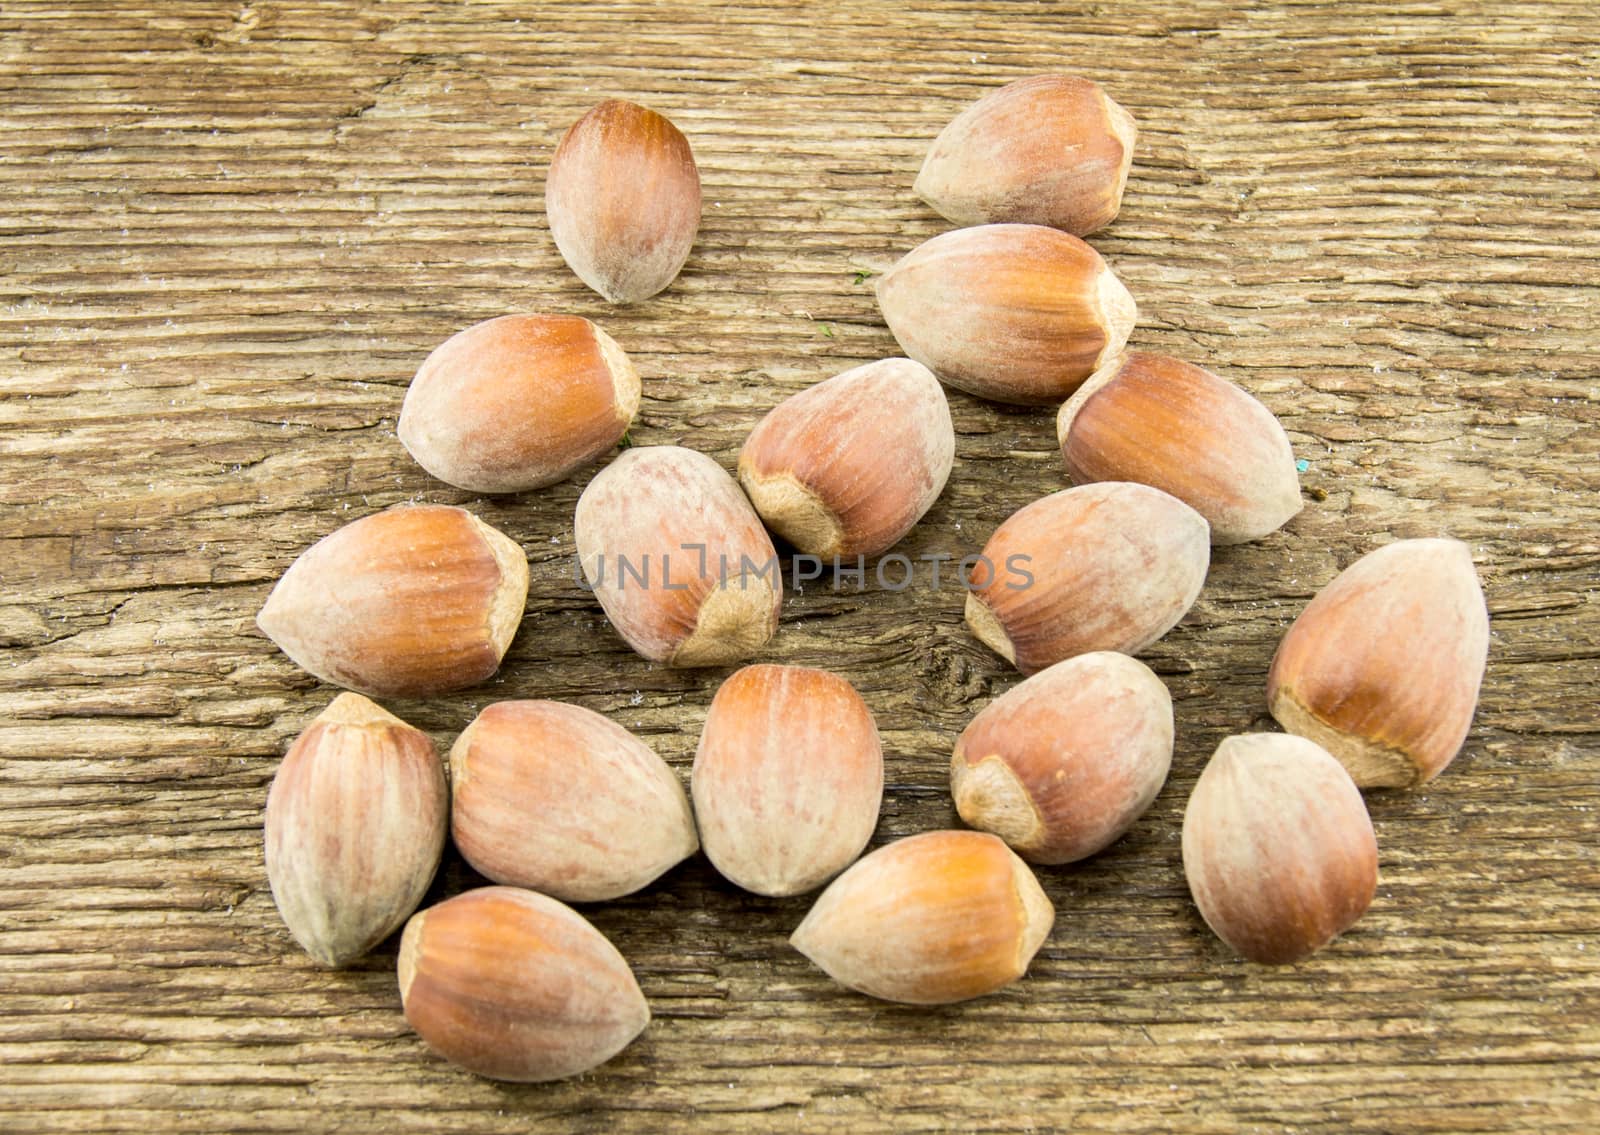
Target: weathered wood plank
[(228, 235)]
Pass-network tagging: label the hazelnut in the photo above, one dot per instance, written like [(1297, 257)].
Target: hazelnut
[(1014, 313), (1383, 667), (1064, 763), (678, 558), (417, 600), (1167, 423), (559, 799), (1049, 150), (847, 467), (929, 919), (355, 828), (1111, 566), (1277, 847), (518, 402), (623, 198), (788, 778), (515, 986)]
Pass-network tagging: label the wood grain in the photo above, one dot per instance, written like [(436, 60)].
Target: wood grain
[(228, 236)]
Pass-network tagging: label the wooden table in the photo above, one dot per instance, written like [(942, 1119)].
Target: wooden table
[(229, 234)]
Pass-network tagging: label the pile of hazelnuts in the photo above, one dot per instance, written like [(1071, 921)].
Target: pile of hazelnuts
[(1376, 681)]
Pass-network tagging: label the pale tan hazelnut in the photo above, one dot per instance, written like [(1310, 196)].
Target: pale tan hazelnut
[(355, 827)]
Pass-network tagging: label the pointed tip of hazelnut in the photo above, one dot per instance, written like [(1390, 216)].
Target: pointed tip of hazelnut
[(356, 709), (801, 939), (270, 620), (638, 1015), (328, 958)]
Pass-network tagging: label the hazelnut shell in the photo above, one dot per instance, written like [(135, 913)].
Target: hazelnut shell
[(623, 199), (1384, 665), (788, 778), (678, 558), (1013, 313), (1048, 150), (518, 402), (1277, 847), (848, 466), (418, 600), (929, 919), (1163, 422), (514, 985), (1110, 566), (1064, 763), (355, 827), (562, 800)]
